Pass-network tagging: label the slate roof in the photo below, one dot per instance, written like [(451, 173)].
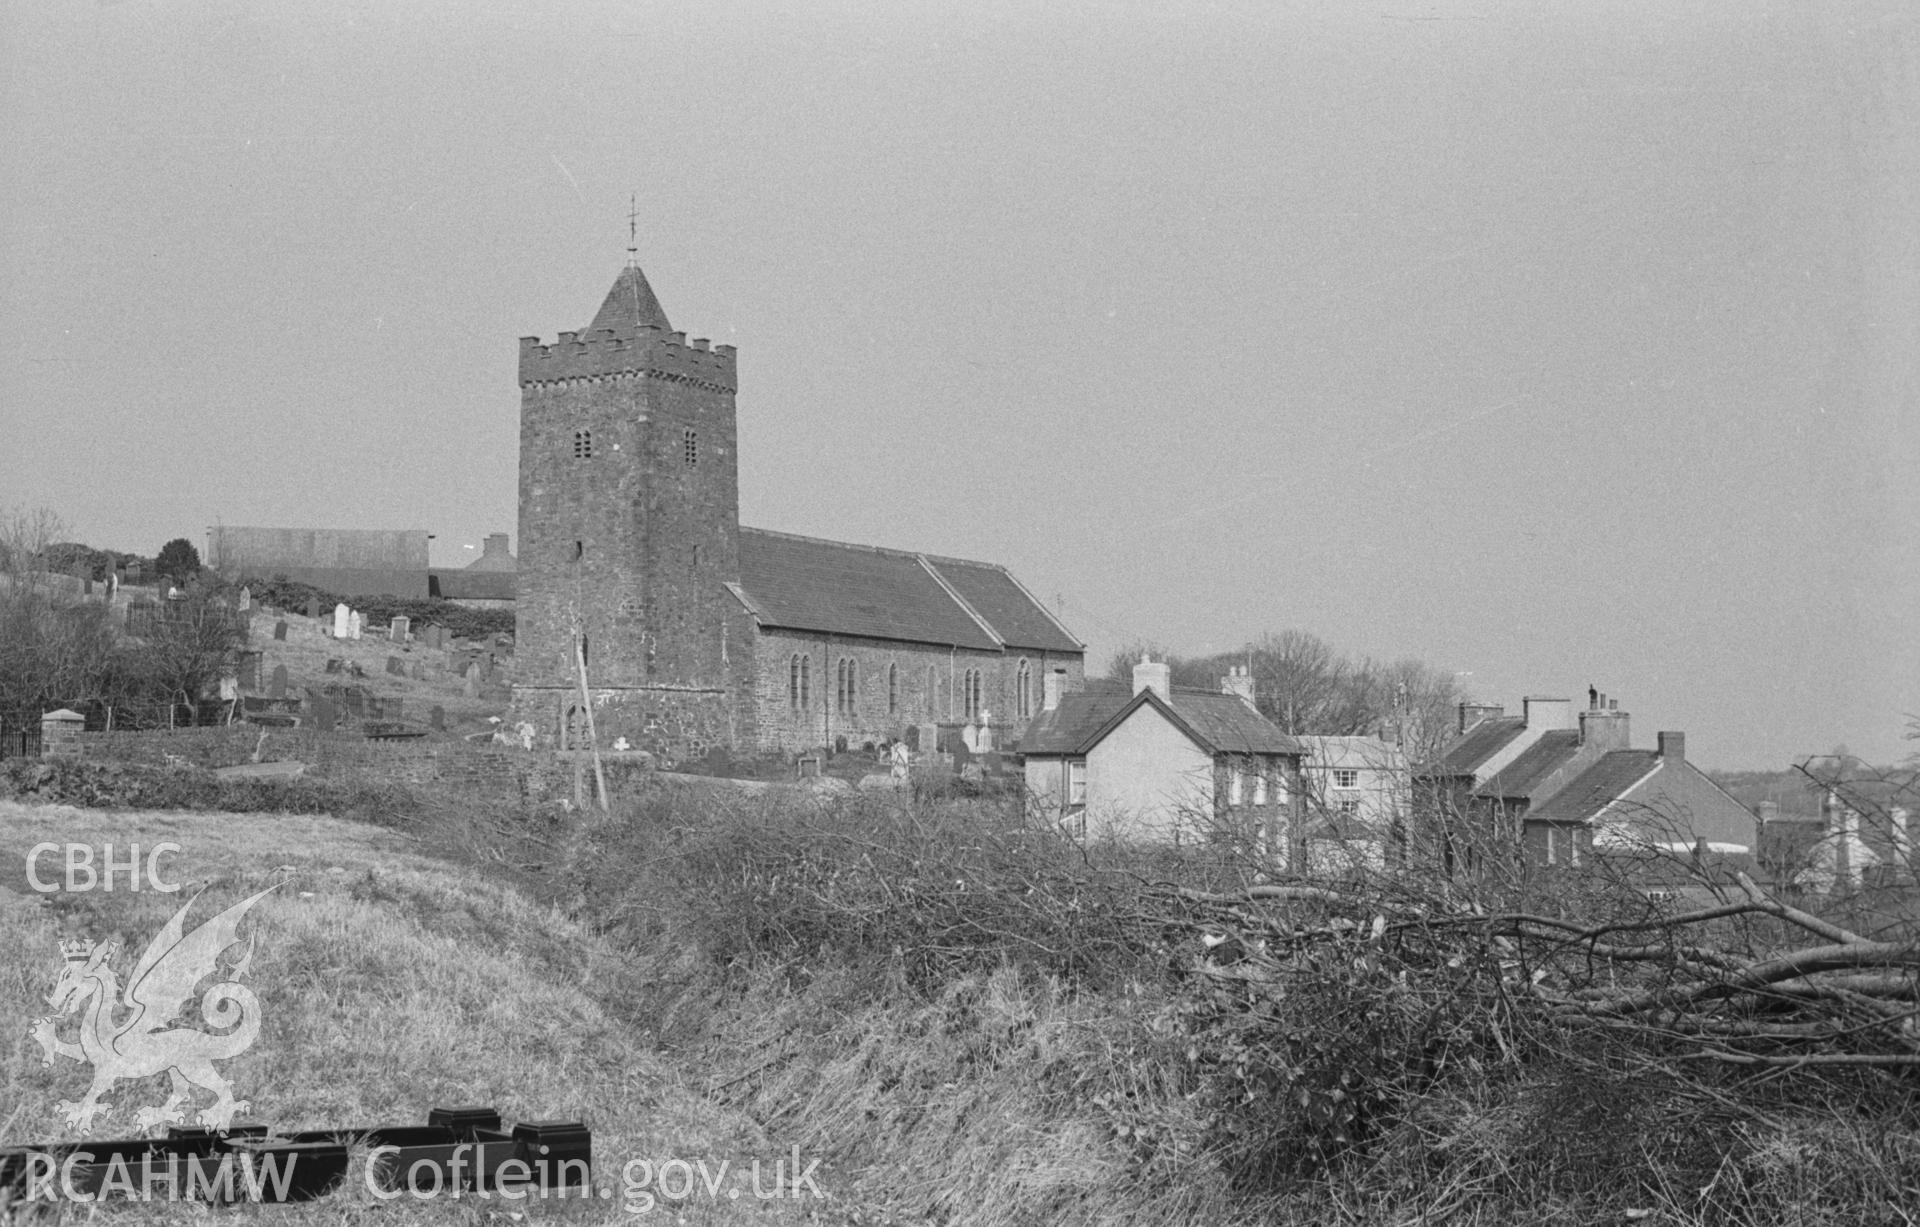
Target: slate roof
[(1518, 779), (832, 587), (1326, 751), (1007, 606), (1218, 723), (629, 304), (1597, 787), (1477, 745)]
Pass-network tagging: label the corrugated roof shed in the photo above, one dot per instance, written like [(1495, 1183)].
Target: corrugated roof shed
[(832, 587), (1597, 787)]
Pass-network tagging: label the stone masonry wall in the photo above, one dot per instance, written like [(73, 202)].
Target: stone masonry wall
[(673, 724), (781, 727), (453, 766), (629, 523)]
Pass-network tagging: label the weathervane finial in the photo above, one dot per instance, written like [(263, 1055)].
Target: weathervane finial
[(633, 229)]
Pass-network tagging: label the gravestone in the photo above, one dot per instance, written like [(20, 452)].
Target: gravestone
[(396, 666), (472, 685), (247, 675), (280, 630), (419, 671), (335, 665), (437, 719), (355, 624), (342, 622), (962, 755), (356, 702), (277, 684), (86, 585), (324, 714), (437, 637), (246, 599), (398, 630), (313, 607)]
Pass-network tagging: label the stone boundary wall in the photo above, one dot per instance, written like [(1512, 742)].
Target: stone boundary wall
[(456, 766), (211, 746)]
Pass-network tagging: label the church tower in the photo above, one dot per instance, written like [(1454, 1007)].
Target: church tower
[(630, 532)]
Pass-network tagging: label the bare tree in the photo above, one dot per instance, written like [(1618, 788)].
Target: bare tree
[(190, 644)]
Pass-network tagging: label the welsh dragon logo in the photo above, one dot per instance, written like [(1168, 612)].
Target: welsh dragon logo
[(142, 1042)]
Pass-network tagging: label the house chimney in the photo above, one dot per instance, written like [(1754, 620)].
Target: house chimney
[(1157, 677), (1547, 713), (1767, 811), (1239, 681), (1673, 746), (1604, 726), (1051, 684)]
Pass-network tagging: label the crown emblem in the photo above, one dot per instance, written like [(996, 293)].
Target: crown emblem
[(76, 949)]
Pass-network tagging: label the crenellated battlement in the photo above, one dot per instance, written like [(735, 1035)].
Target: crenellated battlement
[(648, 350)]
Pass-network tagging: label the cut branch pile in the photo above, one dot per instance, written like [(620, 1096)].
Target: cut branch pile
[(1751, 980)]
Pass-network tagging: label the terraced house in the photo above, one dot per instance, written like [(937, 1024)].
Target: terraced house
[(693, 631)]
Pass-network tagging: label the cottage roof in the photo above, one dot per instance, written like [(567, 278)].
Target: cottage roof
[(1477, 745), (1518, 779), (1217, 723), (832, 587), (1365, 753), (1612, 777)]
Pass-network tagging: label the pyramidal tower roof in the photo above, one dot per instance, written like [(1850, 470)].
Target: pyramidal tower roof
[(630, 304)]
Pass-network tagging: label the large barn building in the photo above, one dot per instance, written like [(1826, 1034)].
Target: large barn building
[(697, 632)]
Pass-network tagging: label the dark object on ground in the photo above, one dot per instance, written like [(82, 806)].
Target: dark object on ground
[(458, 1149)]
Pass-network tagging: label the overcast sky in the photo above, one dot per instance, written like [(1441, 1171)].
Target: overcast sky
[(1550, 344)]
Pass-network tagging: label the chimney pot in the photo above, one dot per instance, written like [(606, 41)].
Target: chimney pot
[(1673, 746), (1605, 728), (1239, 681)]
